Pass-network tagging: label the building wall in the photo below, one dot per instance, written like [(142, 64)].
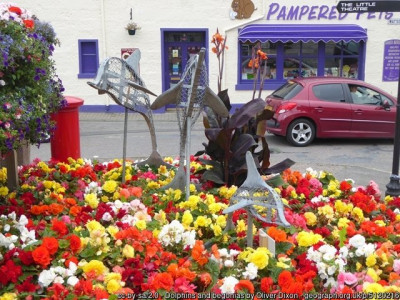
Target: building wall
[(105, 20)]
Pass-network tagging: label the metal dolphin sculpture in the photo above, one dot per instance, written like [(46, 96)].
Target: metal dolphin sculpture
[(120, 79), (256, 192), (190, 96)]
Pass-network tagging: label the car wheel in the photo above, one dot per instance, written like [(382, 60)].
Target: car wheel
[(300, 133)]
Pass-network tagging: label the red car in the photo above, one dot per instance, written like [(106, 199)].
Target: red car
[(330, 107)]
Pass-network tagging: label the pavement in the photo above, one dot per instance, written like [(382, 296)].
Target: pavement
[(101, 137)]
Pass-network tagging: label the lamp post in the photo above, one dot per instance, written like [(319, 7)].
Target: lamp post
[(393, 187)]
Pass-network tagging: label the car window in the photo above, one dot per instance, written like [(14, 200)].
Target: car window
[(363, 95), (329, 92), (288, 90)]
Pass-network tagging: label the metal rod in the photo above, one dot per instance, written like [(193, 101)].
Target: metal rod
[(187, 146), (393, 187), (249, 229), (124, 145)]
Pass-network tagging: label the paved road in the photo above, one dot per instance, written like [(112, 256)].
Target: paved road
[(101, 136)]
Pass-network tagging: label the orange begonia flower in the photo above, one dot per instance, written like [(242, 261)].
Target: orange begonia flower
[(244, 285), (163, 281), (55, 208), (51, 244), (41, 256), (198, 253), (277, 234), (206, 279)]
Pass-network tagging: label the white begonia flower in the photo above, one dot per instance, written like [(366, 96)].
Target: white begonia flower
[(369, 249), (73, 280), (107, 217), (228, 287), (12, 216), (129, 219), (313, 255), (357, 241), (331, 270), (344, 252), (189, 239), (46, 277), (59, 280), (28, 237), (330, 282), (223, 252), (228, 263), (118, 204), (233, 253), (7, 228), (251, 271)]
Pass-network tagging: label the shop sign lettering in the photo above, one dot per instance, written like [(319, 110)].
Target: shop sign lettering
[(276, 11)]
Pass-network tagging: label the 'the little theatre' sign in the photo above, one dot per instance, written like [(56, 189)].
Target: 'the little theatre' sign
[(368, 6)]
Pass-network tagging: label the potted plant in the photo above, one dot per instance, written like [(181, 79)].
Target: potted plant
[(132, 27)]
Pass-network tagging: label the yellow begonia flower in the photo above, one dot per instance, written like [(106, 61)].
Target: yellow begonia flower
[(128, 251), (358, 214), (358, 266), (215, 207), (293, 194), (259, 257), (91, 200), (343, 208), (311, 218), (373, 288), (9, 296), (94, 225), (112, 230), (380, 223), (95, 266), (112, 276), (110, 186), (372, 273), (343, 222), (307, 239), (326, 211), (202, 221), (241, 226), (388, 198), (371, 260), (3, 174), (156, 232), (104, 199), (4, 191), (221, 220), (283, 262), (116, 196), (187, 218), (153, 185), (216, 229), (397, 217), (113, 286), (141, 224)]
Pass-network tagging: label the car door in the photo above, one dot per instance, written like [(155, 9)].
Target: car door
[(331, 110), (370, 117)]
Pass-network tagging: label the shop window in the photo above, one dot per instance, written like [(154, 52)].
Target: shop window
[(88, 58), (302, 59)]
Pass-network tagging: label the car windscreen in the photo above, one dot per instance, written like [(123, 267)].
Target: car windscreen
[(288, 90)]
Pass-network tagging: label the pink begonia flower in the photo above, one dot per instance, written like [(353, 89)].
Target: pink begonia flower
[(396, 266), (347, 278), (66, 219)]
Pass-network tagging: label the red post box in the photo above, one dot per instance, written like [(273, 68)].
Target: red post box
[(66, 139)]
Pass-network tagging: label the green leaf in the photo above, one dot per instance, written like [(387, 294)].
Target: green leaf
[(212, 267), (342, 236), (276, 181), (282, 247), (64, 244), (89, 251)]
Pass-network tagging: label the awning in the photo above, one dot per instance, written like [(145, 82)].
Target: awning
[(302, 32)]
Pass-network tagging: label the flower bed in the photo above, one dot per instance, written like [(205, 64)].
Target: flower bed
[(73, 231)]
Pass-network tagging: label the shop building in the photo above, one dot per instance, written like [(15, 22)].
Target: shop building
[(301, 39)]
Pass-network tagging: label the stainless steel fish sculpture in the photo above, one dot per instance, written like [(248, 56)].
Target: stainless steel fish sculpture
[(120, 79), (252, 193), (190, 96)]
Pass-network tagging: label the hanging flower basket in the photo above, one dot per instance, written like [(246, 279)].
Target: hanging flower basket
[(131, 31)]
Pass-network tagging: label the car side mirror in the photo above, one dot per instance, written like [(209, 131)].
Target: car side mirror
[(386, 105)]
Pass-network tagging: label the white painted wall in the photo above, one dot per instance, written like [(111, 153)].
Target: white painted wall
[(105, 20)]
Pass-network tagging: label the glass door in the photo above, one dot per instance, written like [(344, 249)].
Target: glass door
[(178, 48)]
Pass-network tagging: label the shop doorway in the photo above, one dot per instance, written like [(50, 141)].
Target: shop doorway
[(178, 47)]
